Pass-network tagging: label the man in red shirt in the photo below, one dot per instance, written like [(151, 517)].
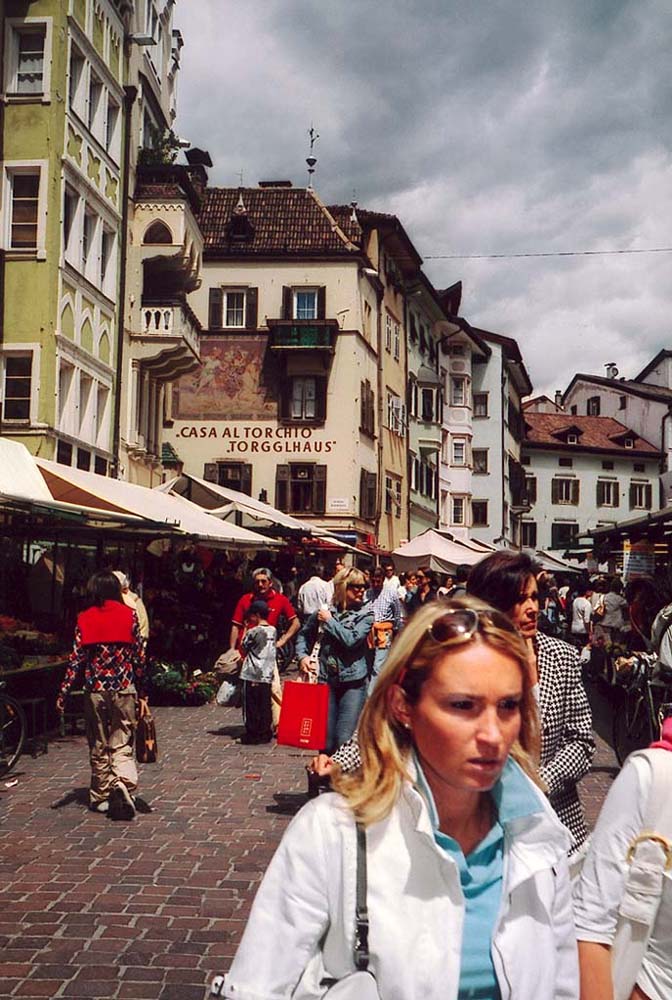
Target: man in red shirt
[(278, 604)]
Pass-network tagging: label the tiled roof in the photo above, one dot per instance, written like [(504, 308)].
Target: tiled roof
[(595, 433), (624, 385), (286, 221)]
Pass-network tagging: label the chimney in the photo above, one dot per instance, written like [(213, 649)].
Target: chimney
[(558, 398), (198, 160)]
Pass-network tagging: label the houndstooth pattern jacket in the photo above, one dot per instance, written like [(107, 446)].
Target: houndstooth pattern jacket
[(567, 744)]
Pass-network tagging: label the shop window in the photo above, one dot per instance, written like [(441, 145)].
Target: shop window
[(607, 493), (480, 461), (479, 513), (565, 491), (563, 534), (368, 484), (301, 488), (17, 386), (480, 404), (641, 496), (233, 475), (528, 534)]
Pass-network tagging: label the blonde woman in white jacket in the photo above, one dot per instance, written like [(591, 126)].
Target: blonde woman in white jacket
[(468, 890)]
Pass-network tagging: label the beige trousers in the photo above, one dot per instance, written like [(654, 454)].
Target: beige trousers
[(110, 728)]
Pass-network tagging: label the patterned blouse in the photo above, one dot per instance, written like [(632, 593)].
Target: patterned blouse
[(106, 666)]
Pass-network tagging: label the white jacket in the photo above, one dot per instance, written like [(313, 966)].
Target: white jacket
[(303, 917)]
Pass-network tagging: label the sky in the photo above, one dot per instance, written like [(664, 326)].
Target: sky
[(487, 127)]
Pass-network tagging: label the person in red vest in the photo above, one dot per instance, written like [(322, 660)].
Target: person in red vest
[(108, 660)]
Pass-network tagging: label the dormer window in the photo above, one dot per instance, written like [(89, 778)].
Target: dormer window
[(572, 439), (628, 443)]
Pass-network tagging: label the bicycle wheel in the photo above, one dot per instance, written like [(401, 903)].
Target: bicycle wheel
[(631, 725), (12, 732)]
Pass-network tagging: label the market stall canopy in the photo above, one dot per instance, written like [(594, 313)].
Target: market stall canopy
[(221, 501), (175, 514), (23, 488), (552, 563), (438, 550)]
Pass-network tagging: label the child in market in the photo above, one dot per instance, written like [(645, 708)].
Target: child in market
[(257, 674)]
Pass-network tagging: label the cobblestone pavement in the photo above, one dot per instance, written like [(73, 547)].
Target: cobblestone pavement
[(151, 908)]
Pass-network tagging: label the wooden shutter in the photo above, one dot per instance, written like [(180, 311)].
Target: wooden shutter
[(322, 302), (251, 301), (319, 489), (633, 495), (600, 494), (286, 303), (215, 307), (210, 472), (616, 495), (285, 398), (363, 484), (555, 491), (575, 491), (246, 479), (282, 487), (320, 397), (648, 496)]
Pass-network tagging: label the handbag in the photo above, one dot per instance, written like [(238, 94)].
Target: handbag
[(649, 856), (228, 693), (359, 985), (146, 749), (304, 715)]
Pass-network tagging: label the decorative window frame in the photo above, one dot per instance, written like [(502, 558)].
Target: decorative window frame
[(34, 349), (13, 27), (10, 169)]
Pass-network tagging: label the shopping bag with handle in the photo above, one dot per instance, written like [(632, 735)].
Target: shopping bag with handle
[(304, 715)]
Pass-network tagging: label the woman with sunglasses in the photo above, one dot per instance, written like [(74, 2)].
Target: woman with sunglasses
[(507, 581), (343, 658), (427, 589), (467, 885)]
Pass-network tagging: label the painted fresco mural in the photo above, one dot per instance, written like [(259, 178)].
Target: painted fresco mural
[(228, 385)]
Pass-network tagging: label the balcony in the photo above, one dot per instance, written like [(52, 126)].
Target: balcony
[(166, 340), (303, 335)]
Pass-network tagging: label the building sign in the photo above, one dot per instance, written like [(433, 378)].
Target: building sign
[(229, 383), (251, 439), (337, 504), (638, 559)]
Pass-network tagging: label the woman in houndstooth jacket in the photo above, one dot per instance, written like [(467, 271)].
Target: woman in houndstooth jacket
[(507, 581)]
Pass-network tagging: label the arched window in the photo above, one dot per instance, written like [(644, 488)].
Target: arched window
[(158, 232)]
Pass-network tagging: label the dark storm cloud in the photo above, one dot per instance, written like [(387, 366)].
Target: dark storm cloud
[(488, 127)]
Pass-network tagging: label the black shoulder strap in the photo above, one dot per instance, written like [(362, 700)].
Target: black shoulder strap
[(361, 952)]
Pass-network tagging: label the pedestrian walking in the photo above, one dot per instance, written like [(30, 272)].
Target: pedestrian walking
[(134, 601), (467, 886), (391, 579), (343, 661), (581, 628), (256, 673), (315, 592), (387, 621), (108, 658), (426, 590)]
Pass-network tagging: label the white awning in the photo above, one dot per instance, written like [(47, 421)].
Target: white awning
[(179, 516), (221, 501), (442, 554)]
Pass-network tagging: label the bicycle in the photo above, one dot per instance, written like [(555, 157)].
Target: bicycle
[(647, 689), (12, 730)]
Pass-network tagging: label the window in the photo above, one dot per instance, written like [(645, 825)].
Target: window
[(607, 466), (111, 119), (303, 398), (388, 494), (25, 208), (100, 465), (64, 453), (393, 495), (396, 341), (459, 451), (231, 308), (70, 204), (234, 308), (531, 489), (458, 391), (26, 63), (301, 489), (563, 534), (367, 412), (607, 493), (368, 484), (396, 414), (480, 461), (88, 236), (458, 510), (457, 350), (565, 491), (158, 233), (622, 402), (573, 410), (413, 397), (641, 496), (525, 460), (480, 404), (75, 80), (479, 513), (65, 382), (593, 406), (566, 463), (427, 397), (572, 439), (106, 249), (18, 379), (95, 92), (305, 303), (638, 467), (388, 332), (629, 443), (83, 459), (85, 397), (367, 321), (102, 398), (233, 475), (397, 498), (528, 534)]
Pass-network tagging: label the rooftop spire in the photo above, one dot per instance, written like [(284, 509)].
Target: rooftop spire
[(311, 159)]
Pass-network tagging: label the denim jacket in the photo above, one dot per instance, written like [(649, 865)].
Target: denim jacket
[(344, 653)]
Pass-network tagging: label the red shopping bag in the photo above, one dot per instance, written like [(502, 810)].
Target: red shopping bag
[(304, 714)]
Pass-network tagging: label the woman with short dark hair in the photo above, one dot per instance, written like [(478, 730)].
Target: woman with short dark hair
[(107, 660)]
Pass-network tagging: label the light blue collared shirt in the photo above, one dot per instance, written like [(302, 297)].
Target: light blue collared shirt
[(481, 874)]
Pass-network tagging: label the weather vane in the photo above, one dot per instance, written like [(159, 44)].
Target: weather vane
[(311, 159)]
